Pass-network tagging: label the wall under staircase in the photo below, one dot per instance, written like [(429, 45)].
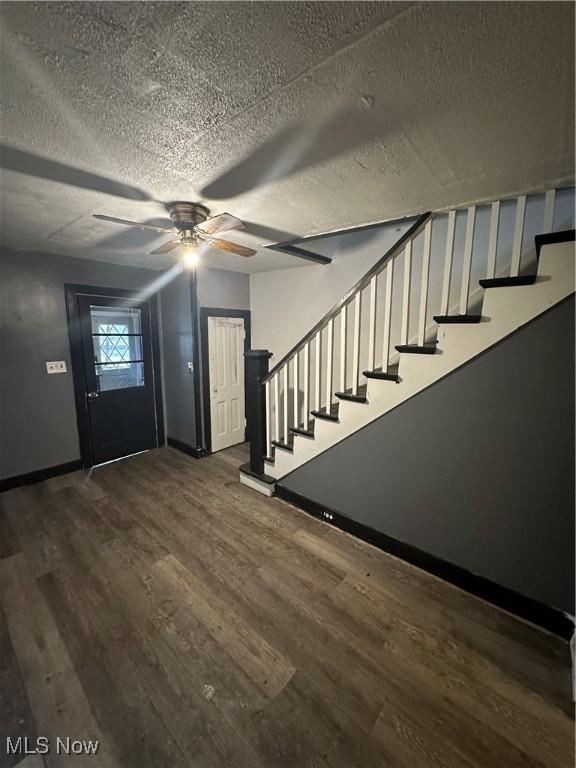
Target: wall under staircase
[(477, 469)]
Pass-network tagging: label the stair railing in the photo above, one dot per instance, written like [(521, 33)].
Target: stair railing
[(311, 364)]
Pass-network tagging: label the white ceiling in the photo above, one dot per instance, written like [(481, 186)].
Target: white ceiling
[(348, 113)]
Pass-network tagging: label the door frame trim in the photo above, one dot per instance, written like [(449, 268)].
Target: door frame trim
[(205, 313), (71, 292)]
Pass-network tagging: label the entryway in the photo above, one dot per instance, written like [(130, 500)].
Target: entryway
[(115, 361)]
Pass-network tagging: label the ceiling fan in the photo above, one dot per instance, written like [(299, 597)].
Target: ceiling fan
[(193, 227)]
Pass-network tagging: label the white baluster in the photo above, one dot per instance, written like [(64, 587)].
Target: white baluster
[(406, 293), (387, 315), (356, 352), (317, 401), (549, 211), (372, 324), (268, 420), (518, 232), (285, 429), (343, 314), (306, 385), (424, 283), (296, 421), (493, 241), (329, 361), (448, 257), (467, 265), (277, 406)]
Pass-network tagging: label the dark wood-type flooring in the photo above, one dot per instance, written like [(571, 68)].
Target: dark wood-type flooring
[(183, 620)]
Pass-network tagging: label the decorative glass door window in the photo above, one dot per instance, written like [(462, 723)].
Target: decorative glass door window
[(117, 343)]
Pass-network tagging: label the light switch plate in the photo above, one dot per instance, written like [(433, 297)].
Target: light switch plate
[(56, 366)]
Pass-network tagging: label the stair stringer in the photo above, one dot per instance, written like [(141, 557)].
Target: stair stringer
[(504, 310)]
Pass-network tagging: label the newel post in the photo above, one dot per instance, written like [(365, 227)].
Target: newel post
[(256, 367)]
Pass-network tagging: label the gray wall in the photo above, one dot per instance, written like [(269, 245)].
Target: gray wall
[(179, 392), (478, 469), (37, 412), (223, 288)]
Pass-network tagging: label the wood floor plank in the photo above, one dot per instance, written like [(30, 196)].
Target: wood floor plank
[(193, 622), (127, 526), (57, 699), (26, 522), (269, 670), (16, 718), (32, 761), (104, 660), (8, 543)]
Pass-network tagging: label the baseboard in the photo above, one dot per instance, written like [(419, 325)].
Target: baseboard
[(550, 619), (197, 453), (39, 475)]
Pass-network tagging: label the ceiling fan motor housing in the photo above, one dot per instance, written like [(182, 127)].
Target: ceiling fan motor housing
[(186, 216)]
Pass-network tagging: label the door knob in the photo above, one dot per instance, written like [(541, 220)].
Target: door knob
[(92, 395)]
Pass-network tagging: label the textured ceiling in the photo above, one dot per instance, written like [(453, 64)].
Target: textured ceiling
[(330, 115)]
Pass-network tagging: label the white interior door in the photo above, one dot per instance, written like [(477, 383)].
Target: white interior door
[(226, 353)]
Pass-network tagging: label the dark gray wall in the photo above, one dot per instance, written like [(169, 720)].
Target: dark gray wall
[(223, 288), (478, 469), (37, 411), (179, 391)]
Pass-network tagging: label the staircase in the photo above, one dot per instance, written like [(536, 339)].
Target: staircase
[(454, 285)]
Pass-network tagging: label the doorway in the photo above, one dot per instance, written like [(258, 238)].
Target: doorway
[(225, 337), (115, 362)]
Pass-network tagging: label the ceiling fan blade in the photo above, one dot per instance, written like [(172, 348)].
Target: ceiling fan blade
[(12, 159), (127, 223), (221, 223), (167, 247), (263, 232), (224, 245)]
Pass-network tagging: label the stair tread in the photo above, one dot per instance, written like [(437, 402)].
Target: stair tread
[(415, 349), (331, 416), (360, 397), (289, 446), (306, 431), (507, 282), (551, 238), (449, 319), (390, 375)]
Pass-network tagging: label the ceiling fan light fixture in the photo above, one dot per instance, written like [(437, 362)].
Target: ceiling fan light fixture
[(190, 256)]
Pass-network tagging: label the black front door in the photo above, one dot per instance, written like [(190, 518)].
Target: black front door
[(115, 335)]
